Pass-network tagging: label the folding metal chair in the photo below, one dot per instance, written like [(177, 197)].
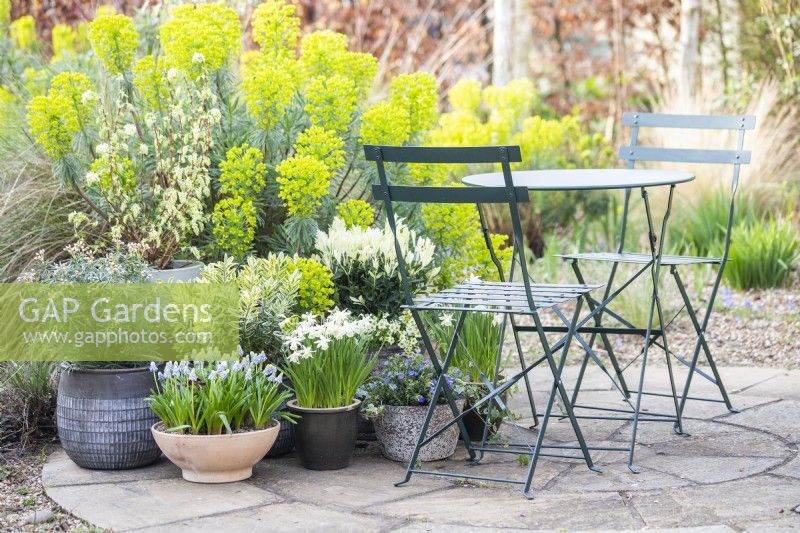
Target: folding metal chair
[(504, 297), (633, 153)]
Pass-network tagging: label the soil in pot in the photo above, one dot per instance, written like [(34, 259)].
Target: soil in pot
[(398, 428), (216, 458), (102, 418), (325, 438)]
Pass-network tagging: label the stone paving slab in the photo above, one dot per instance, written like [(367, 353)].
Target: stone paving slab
[(736, 471), (122, 506)]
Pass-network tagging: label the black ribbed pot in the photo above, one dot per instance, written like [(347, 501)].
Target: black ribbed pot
[(325, 438), (103, 421), (285, 442)]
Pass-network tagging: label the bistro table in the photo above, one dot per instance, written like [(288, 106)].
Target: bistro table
[(611, 179)]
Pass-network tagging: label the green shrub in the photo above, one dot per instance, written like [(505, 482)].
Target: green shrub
[(699, 225), (27, 400), (762, 254)]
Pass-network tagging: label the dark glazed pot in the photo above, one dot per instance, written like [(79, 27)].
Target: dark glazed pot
[(285, 441), (325, 438), (103, 421), (475, 421)]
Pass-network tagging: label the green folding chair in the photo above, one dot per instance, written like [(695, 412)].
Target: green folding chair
[(632, 154), (511, 299)]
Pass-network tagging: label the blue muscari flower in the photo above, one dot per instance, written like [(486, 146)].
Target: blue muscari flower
[(241, 351), (421, 399), (457, 372), (192, 376), (259, 358), (153, 367), (361, 394), (727, 297), (412, 372), (392, 386)]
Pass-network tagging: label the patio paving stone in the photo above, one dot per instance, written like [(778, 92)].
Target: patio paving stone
[(736, 471)]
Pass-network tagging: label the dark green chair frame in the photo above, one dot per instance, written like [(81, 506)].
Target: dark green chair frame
[(632, 154), (505, 297)]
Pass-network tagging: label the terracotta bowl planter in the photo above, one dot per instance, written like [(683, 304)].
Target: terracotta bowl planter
[(398, 427), (216, 458)]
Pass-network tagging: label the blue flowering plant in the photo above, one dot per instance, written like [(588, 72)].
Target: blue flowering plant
[(408, 381), (205, 398)]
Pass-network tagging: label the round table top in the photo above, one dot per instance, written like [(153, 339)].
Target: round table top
[(583, 178)]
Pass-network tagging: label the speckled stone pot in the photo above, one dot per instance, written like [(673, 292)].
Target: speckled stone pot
[(398, 427)]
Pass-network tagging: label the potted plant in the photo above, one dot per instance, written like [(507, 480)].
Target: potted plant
[(327, 363), (476, 354), (270, 289), (398, 402), (217, 420), (101, 416), (365, 270)]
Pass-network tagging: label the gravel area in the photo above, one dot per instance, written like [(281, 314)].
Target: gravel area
[(23, 504), (751, 328)]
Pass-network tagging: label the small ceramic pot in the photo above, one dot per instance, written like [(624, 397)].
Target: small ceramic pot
[(216, 458), (177, 271), (325, 438), (398, 428)]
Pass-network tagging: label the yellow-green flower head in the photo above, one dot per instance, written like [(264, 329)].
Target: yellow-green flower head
[(316, 284), (356, 213), (303, 182), (276, 28), (331, 102), (150, 79), (6, 96), (112, 174), (459, 128), (385, 123), (82, 43), (321, 144), (417, 94), (361, 68), (200, 37), (52, 124), (5, 14), (465, 96), (324, 54), (269, 85), (23, 32), (517, 97), (35, 80), (429, 174), (64, 41), (234, 226), (114, 39), (77, 88), (243, 172), (321, 52), (104, 11)]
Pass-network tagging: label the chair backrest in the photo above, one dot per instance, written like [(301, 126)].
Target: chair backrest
[(734, 157), (508, 194)]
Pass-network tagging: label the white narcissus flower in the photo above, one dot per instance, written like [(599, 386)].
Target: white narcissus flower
[(129, 130), (102, 148), (446, 320)]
